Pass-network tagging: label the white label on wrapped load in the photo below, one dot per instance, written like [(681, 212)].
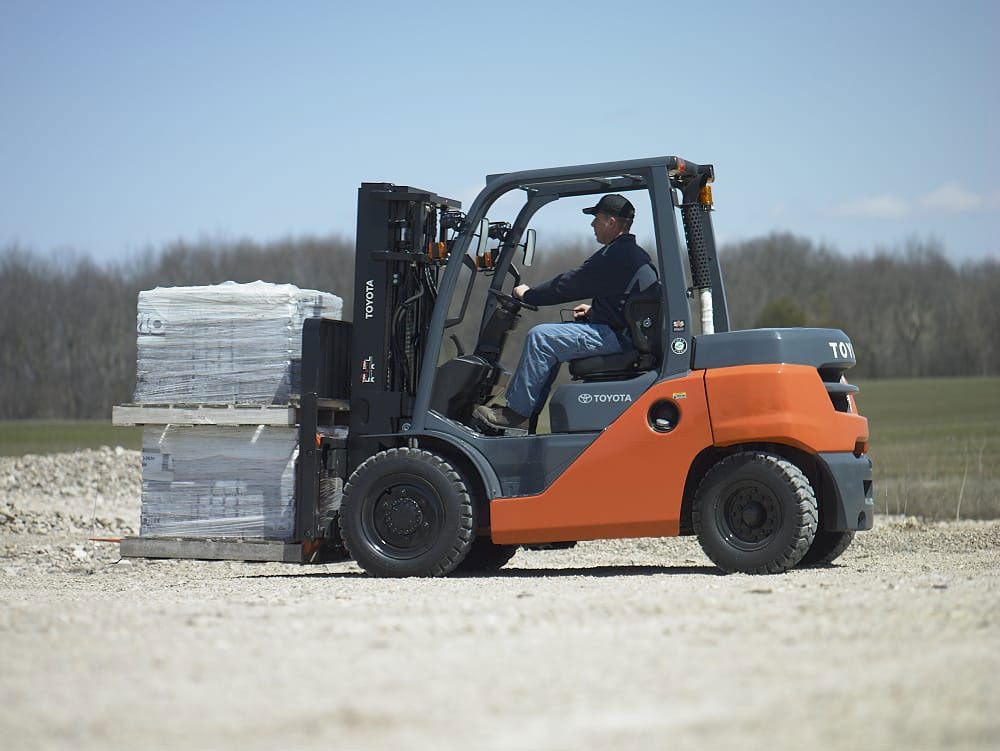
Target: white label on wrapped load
[(150, 322), (157, 466)]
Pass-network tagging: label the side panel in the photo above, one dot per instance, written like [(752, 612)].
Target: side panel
[(593, 405), (524, 464), (779, 404), (628, 483)]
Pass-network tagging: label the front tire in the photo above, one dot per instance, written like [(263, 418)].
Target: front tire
[(755, 513), (406, 512)]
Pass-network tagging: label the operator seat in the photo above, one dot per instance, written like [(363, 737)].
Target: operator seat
[(643, 314)]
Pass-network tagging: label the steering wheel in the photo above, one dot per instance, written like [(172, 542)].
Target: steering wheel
[(504, 297)]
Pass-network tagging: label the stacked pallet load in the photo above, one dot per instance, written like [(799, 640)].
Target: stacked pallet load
[(216, 389), (218, 481), (225, 343)]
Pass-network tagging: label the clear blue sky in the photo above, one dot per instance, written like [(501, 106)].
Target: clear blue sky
[(125, 125)]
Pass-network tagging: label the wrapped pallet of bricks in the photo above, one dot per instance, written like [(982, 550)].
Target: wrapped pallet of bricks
[(226, 482), (225, 343), (218, 481), (219, 346)]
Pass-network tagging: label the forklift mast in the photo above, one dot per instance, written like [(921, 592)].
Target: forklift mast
[(402, 243)]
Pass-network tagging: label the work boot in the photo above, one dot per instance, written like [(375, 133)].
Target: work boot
[(501, 418)]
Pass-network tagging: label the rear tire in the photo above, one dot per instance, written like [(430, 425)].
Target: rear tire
[(755, 513), (486, 556), (827, 547), (406, 512)]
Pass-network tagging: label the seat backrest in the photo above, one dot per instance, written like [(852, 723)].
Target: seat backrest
[(643, 316), (643, 313)]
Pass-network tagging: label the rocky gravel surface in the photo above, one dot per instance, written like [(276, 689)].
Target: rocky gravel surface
[(628, 644)]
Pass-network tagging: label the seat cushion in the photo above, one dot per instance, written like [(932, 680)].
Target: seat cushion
[(623, 362)]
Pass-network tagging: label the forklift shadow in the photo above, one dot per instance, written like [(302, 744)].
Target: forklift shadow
[(596, 571), (524, 573)]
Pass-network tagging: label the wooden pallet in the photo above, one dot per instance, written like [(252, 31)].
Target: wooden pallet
[(212, 550), (127, 415)]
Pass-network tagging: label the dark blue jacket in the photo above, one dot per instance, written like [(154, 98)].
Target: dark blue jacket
[(604, 277)]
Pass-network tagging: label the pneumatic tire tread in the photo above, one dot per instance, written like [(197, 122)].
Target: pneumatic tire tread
[(792, 495), (450, 544)]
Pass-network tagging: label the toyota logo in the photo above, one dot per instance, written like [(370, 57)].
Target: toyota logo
[(585, 398)]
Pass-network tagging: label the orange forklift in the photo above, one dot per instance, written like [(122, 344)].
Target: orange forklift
[(749, 439)]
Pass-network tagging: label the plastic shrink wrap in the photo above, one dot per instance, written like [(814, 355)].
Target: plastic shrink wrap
[(226, 481), (225, 343), (218, 481)]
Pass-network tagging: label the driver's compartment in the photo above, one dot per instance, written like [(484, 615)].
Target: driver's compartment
[(468, 380), (657, 311)]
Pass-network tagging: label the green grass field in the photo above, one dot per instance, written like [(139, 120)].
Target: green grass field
[(19, 437), (935, 443)]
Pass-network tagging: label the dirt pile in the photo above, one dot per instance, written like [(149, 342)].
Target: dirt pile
[(71, 493)]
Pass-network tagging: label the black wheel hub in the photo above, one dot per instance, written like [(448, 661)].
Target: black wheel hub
[(750, 516), (402, 517)]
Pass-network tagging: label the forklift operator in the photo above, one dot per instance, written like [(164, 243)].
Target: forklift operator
[(597, 329)]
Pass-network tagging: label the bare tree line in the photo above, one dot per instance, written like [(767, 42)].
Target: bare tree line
[(909, 311), (67, 324)]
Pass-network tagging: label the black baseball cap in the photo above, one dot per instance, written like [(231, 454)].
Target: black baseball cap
[(613, 205)]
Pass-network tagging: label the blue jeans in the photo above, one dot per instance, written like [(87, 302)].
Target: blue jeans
[(546, 346)]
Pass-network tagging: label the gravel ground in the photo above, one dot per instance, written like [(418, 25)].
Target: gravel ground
[(632, 644)]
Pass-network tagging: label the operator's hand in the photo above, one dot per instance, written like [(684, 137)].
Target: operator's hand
[(581, 312), (519, 291)]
